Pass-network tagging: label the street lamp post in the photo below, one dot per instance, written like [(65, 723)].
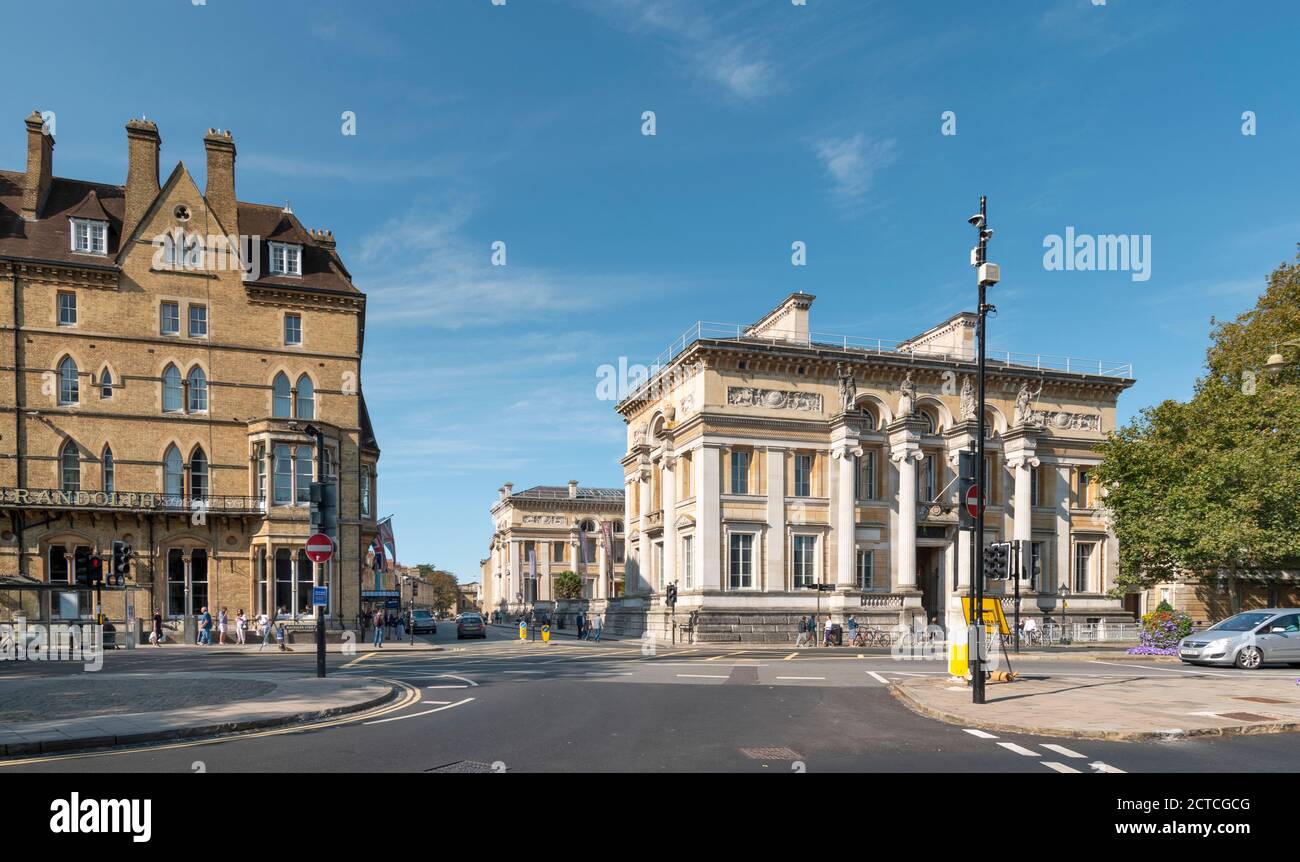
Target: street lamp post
[(987, 276), (1276, 361)]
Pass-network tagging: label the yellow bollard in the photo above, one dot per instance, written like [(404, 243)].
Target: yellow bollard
[(546, 634), (958, 659), (523, 630)]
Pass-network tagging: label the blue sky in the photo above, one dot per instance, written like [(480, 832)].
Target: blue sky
[(775, 123)]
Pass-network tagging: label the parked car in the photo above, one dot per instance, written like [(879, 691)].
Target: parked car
[(470, 626), (1247, 640), (423, 621)]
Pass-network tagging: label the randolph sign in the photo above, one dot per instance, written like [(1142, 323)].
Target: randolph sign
[(127, 502)]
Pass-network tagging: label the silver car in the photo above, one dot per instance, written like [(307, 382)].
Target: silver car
[(1247, 640)]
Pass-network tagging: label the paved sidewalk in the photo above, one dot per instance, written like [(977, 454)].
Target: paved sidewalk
[(310, 648), (101, 710), (1115, 708)]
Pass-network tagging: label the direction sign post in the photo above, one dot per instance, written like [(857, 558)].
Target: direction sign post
[(320, 549)]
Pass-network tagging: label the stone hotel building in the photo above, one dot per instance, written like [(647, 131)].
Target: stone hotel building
[(767, 458), (166, 349)]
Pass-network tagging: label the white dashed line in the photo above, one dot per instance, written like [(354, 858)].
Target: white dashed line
[(1018, 749), (1059, 767), (1098, 766), (702, 676), (1060, 749), (426, 712), (877, 677), (981, 734), (801, 677)]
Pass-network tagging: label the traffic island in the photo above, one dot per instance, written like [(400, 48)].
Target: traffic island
[(1115, 708), (85, 711)]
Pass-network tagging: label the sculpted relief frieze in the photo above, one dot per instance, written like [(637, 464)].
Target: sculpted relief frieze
[(773, 399), (544, 520), (1063, 421)]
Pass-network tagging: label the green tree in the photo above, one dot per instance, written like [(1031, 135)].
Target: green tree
[(1211, 486), (568, 585), (443, 586)]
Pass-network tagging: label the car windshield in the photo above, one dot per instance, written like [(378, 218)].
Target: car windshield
[(423, 614), (1241, 622)]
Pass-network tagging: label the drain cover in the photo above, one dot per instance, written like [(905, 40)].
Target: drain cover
[(1257, 699), (771, 753), (463, 766), (1246, 716)]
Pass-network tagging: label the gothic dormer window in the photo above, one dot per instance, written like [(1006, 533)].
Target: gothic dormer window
[(286, 259), (89, 236)]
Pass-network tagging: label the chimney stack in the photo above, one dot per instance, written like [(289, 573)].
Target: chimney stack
[(573, 489), (142, 146), (40, 166), (220, 190)]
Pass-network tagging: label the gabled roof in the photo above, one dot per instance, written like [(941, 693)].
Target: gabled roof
[(89, 208), (47, 238)]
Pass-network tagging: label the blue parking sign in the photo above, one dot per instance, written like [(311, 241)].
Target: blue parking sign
[(320, 597)]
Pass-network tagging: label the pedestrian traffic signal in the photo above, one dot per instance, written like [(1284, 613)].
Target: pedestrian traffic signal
[(96, 570)]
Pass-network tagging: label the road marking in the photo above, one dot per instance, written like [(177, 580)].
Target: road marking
[(359, 659), (1060, 749), (981, 734), (426, 712), (790, 656), (801, 677), (1059, 767), (1098, 766), (465, 680), (1018, 749), (880, 679), (608, 673), (523, 671), (446, 686), (1165, 669), (703, 676), (727, 655)]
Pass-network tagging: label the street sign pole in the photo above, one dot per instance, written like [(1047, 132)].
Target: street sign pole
[(1015, 573), (981, 480)]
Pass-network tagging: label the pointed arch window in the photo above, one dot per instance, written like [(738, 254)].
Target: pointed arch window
[(306, 398), (173, 472), (199, 474), (69, 388), (106, 384), (281, 399), (171, 380), (198, 390), (109, 469), (69, 467)]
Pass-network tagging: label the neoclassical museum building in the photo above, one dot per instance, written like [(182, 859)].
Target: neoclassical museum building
[(765, 459)]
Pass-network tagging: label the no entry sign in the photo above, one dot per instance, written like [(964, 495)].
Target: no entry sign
[(972, 504), (320, 548)]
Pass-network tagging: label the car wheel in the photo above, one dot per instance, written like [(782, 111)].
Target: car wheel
[(1250, 658)]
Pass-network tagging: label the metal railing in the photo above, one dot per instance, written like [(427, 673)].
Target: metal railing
[(880, 346)]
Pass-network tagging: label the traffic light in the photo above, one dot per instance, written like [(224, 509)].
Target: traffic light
[(120, 566), (965, 481), (96, 570), (670, 595), (997, 561), (81, 568), (324, 511)]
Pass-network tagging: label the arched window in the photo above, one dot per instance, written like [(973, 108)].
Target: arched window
[(866, 417), (927, 419), (106, 464), (306, 398), (198, 390), (281, 402), (171, 380), (365, 492), (106, 384), (69, 467), (198, 474), (173, 473), (69, 391)]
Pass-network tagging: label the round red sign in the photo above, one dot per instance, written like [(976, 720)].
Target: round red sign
[(320, 548), (973, 501)]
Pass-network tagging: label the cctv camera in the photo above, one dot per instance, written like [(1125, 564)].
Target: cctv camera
[(986, 233), (976, 220)]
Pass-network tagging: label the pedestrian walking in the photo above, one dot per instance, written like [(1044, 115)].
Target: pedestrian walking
[(280, 638), (830, 625), (223, 619), (263, 629), (241, 627), (157, 637), (812, 630), (205, 627), (379, 628), (802, 638), (596, 624), (852, 626), (582, 625)]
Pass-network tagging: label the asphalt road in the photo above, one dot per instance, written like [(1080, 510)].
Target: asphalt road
[(498, 705)]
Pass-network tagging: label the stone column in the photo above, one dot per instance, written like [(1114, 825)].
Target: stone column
[(602, 568), (776, 519), (1061, 567), (846, 514), (669, 493), (644, 563), (708, 517), (1018, 446), (515, 583), (905, 451)]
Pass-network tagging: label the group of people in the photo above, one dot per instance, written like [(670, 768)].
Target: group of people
[(808, 631), (222, 625), (385, 624), (589, 627)]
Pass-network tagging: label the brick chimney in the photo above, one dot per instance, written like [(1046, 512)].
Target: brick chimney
[(142, 146), (40, 166), (573, 489), (220, 190)]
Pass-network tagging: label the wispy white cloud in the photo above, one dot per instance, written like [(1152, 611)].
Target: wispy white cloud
[(852, 163), (732, 57)]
